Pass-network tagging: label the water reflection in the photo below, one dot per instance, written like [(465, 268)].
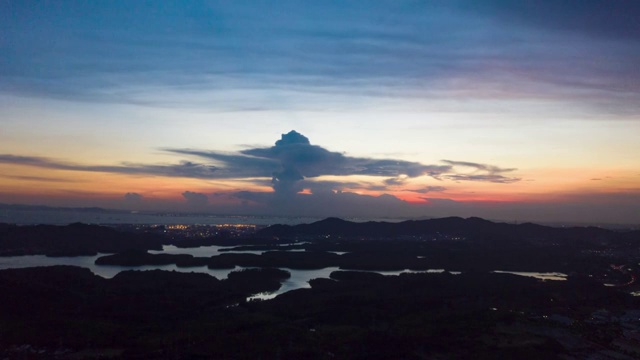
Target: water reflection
[(109, 271), (213, 250), (537, 275), (105, 271), (25, 261), (299, 278), (201, 251)]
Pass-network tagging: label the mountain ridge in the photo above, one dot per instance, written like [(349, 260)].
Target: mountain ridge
[(468, 227)]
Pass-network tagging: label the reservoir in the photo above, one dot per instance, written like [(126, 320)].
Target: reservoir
[(299, 278)]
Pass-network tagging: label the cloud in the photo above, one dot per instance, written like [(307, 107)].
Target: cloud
[(428, 189), (484, 167), (293, 158), (602, 18), (402, 180), (325, 186), (183, 169), (486, 178), (480, 172), (396, 181), (38, 178), (292, 163), (133, 197), (195, 199), (338, 203), (165, 56), (234, 165)]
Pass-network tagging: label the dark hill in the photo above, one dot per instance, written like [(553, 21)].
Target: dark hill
[(473, 227), (71, 240)]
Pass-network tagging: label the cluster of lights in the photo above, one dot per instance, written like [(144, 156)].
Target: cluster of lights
[(241, 226), (177, 227), (229, 226)]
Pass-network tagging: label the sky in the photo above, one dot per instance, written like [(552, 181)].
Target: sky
[(507, 110)]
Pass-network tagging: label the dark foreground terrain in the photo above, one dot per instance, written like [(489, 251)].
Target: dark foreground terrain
[(69, 313)]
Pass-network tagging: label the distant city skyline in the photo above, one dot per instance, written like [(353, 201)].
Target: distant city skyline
[(508, 110)]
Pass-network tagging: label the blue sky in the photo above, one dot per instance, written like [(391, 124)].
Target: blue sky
[(123, 51)]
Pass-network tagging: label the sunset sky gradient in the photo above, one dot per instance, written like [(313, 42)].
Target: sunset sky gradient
[(509, 110)]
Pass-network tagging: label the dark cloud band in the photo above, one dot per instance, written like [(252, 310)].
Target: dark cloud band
[(291, 161)]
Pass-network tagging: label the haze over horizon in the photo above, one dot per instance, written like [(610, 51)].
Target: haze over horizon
[(508, 110)]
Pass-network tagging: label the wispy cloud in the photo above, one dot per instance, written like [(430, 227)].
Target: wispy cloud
[(485, 177), (479, 172), (149, 55), (37, 178), (428, 189), (183, 169)]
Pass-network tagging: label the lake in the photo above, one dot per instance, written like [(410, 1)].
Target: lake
[(299, 278)]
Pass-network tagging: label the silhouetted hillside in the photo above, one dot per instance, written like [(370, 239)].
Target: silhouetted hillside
[(65, 312), (71, 240), (473, 228)]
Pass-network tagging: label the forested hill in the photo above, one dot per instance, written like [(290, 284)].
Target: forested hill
[(71, 240), (452, 226)]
